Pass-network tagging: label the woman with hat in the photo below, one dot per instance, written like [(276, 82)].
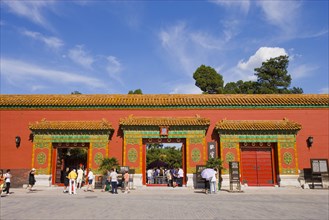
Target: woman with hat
[(31, 179)]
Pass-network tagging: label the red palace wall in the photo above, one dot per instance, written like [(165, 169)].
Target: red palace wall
[(315, 122)]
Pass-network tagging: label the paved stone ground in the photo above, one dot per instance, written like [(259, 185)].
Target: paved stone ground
[(167, 203)]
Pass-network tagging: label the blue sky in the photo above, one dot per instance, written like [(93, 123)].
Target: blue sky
[(111, 47)]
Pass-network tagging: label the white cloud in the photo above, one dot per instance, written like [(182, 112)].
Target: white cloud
[(302, 71), (51, 42), (324, 90), (188, 49), (185, 89), (32, 10), (284, 14), (261, 55), (114, 68), (244, 70), (81, 57), (176, 41), (242, 5), (20, 72)]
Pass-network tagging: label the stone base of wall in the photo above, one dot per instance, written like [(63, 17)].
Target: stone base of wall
[(19, 178), (43, 180), (137, 181), (289, 180), (191, 180), (285, 181)]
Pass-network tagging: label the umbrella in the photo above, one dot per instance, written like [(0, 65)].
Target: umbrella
[(157, 163), (207, 173)]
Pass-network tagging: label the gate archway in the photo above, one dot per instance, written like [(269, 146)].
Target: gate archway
[(266, 150), (49, 135), (138, 130)]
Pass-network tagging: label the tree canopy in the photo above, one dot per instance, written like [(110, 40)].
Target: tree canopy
[(170, 155), (76, 93), (240, 87), (272, 78), (137, 91), (208, 80)]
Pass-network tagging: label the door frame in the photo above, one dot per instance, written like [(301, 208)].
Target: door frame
[(54, 161), (274, 161), (164, 140)]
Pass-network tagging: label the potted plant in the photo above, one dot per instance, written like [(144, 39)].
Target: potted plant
[(106, 165)]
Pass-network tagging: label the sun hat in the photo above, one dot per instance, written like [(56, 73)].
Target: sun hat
[(33, 169)]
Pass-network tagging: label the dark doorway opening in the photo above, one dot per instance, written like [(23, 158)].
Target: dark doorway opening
[(68, 155)]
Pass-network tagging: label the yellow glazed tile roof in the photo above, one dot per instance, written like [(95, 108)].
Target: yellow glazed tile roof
[(164, 121), (160, 101), (257, 125), (71, 125)]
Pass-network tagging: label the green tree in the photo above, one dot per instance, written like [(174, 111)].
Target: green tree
[(137, 91), (218, 164), (76, 93), (297, 90), (170, 155), (107, 163), (208, 80), (215, 163), (241, 87), (273, 77)]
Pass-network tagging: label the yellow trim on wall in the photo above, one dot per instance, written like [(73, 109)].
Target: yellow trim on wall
[(296, 157), (90, 156), (33, 153), (141, 155), (188, 153), (279, 157), (124, 150), (49, 158), (238, 152)]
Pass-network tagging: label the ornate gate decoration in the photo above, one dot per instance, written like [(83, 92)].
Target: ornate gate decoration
[(191, 129), (282, 132), (45, 133)]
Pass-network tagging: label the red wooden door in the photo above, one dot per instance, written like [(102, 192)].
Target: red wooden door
[(256, 166)]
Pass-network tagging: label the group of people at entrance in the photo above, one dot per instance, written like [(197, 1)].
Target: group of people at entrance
[(112, 181), (172, 177), (74, 179)]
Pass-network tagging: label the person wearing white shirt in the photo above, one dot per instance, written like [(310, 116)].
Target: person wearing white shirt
[(7, 180), (80, 177), (114, 181), (213, 181), (180, 176), (90, 180)]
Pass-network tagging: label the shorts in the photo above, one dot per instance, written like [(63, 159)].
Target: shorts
[(90, 182)]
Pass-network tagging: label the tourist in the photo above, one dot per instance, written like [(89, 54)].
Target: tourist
[(72, 177), (126, 181), (169, 177), (2, 181), (213, 181), (80, 177), (180, 175), (31, 179), (149, 176), (107, 182), (114, 181), (7, 180), (66, 180), (155, 175), (175, 176), (90, 180)]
